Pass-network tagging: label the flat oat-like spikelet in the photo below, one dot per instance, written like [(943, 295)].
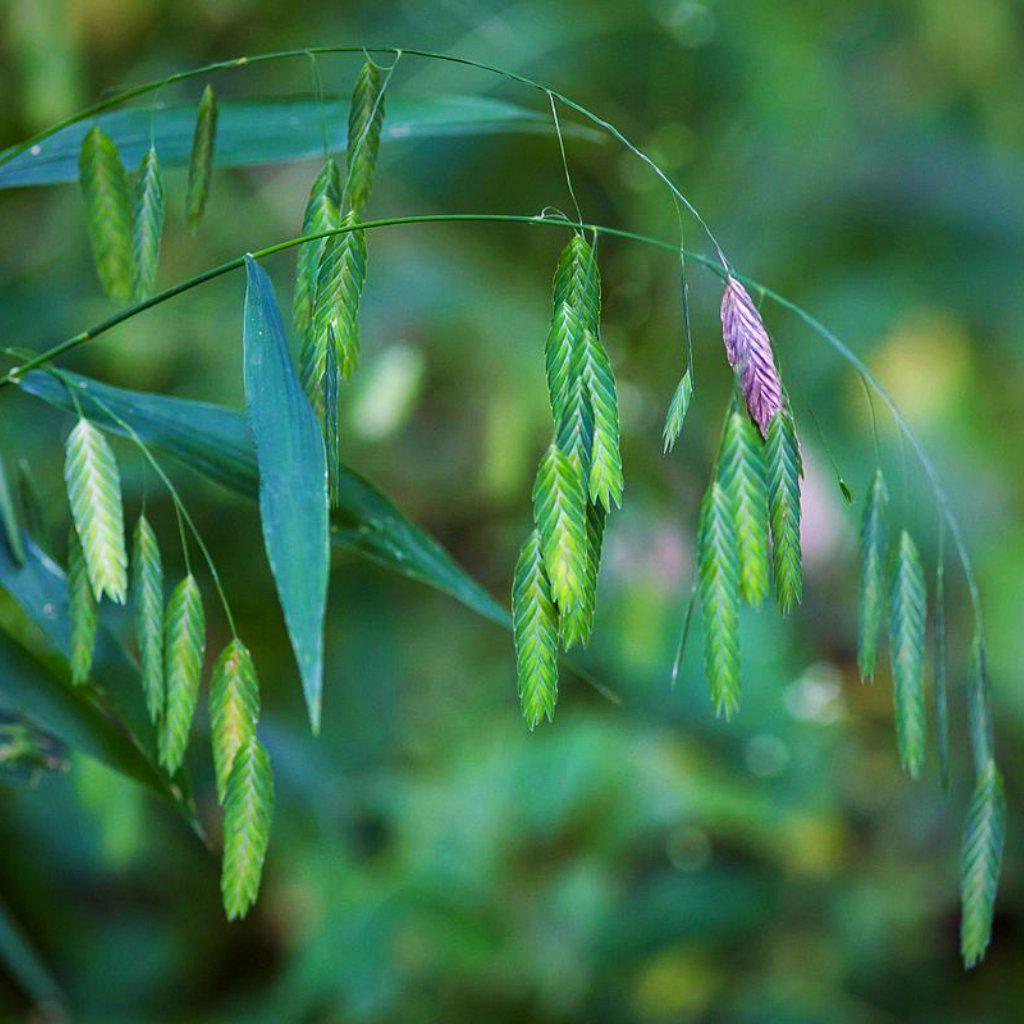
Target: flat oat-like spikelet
[(782, 459), (605, 482), (873, 545), (561, 359), (749, 350), (535, 629), (321, 214), (559, 512), (248, 810), (365, 120), (148, 599), (339, 289), (718, 572), (677, 409), (184, 649), (234, 709), (907, 612), (578, 282), (81, 611), (108, 210), (980, 861), (741, 471), (200, 164), (94, 493), (148, 223)]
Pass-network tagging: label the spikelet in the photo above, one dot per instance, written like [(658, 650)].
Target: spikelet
[(108, 211), (248, 810), (741, 471), (980, 861), (332, 438), (81, 611), (561, 359), (578, 283), (940, 673), (559, 512), (365, 119), (677, 408), (234, 709), (605, 480), (782, 461), (535, 628), (339, 288), (873, 545), (907, 611), (184, 648), (94, 492), (147, 224), (148, 601), (718, 572), (575, 430), (200, 163), (321, 214), (749, 351)]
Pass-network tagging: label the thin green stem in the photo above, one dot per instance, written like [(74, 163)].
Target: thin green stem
[(565, 159)]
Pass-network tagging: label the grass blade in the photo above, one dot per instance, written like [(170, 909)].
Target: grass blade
[(25, 966), (184, 650), (234, 709), (741, 472), (293, 481), (718, 568), (782, 461), (873, 544), (94, 492), (10, 518), (907, 612), (82, 612), (248, 810), (148, 598), (108, 211), (535, 629), (147, 224), (200, 163), (980, 862)]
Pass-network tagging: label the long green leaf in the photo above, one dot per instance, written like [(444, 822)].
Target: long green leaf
[(216, 442), (980, 861), (269, 130), (293, 481), (907, 611), (248, 809)]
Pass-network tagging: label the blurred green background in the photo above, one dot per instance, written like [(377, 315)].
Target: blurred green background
[(431, 860)]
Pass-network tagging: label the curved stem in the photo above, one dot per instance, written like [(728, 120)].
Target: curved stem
[(721, 271), (140, 90)]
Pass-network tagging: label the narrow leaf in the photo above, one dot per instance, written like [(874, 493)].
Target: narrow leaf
[(10, 518), (980, 862), (148, 224), (148, 600), (782, 459), (200, 163), (741, 471), (907, 610), (873, 545), (293, 481), (248, 809), (234, 709), (677, 408), (82, 612), (559, 511), (535, 628), (94, 492), (321, 214), (365, 120), (184, 650), (718, 570), (108, 212)]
